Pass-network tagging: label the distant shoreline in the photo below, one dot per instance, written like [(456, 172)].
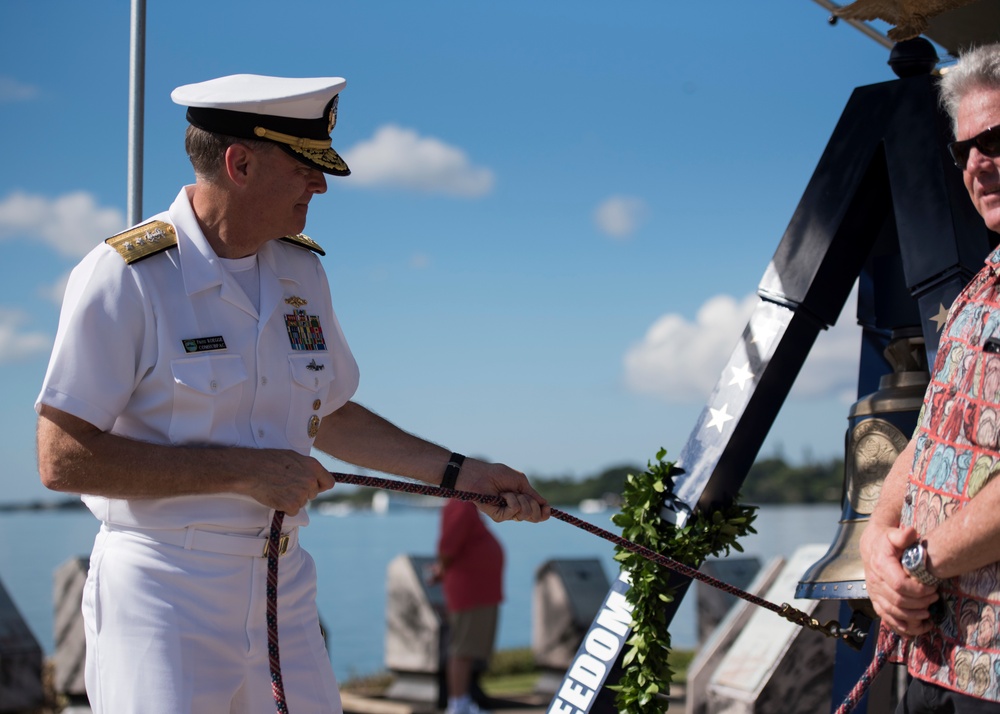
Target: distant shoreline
[(66, 504), (771, 481)]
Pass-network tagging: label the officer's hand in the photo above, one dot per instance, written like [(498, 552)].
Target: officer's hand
[(523, 502), (286, 480)]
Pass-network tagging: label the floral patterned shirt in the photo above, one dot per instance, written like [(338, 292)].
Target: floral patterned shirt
[(956, 455)]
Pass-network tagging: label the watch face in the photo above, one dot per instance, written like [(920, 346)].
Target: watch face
[(911, 557)]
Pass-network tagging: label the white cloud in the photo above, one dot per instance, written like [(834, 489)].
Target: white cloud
[(72, 223), (681, 361), (419, 261), (620, 216), (400, 158), (13, 91), (17, 343)]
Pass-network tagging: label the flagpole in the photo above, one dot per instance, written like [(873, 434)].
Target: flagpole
[(136, 100)]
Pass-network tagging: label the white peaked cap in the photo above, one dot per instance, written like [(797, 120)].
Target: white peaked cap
[(296, 98), (296, 113)]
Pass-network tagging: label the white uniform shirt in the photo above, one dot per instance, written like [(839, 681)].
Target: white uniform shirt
[(169, 350)]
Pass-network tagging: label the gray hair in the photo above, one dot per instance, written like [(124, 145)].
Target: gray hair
[(207, 150), (978, 67)]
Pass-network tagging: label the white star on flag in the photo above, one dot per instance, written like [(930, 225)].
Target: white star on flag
[(719, 417), (741, 375), (763, 331)]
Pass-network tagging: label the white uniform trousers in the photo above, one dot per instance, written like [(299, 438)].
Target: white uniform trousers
[(176, 631)]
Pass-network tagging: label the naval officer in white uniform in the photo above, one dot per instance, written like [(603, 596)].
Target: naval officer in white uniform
[(197, 362)]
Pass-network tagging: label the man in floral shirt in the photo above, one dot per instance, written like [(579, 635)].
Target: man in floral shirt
[(932, 547)]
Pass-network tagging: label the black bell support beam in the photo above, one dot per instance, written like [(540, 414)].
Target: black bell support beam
[(884, 193)]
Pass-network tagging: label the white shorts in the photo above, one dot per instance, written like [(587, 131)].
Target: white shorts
[(177, 631)]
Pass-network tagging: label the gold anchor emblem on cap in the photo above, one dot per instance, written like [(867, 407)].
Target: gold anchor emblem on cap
[(332, 116)]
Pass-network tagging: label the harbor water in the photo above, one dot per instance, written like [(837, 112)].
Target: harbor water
[(353, 550)]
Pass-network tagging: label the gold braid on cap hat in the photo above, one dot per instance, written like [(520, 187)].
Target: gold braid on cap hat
[(296, 142), (323, 158), (318, 151)]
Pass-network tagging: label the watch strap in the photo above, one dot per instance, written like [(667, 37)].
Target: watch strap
[(455, 462)]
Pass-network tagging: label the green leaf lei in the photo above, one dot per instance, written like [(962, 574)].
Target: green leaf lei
[(646, 677)]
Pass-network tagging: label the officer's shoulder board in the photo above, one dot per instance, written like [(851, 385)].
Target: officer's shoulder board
[(304, 241), (143, 241)]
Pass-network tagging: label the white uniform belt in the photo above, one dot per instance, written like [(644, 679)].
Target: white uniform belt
[(192, 538)]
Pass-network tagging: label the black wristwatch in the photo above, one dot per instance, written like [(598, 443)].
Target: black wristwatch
[(914, 562)]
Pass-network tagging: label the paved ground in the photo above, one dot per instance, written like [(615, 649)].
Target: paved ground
[(523, 704), (357, 704)]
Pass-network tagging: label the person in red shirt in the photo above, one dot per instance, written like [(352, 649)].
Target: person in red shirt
[(470, 568)]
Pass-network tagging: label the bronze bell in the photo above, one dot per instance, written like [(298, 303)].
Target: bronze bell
[(879, 427)]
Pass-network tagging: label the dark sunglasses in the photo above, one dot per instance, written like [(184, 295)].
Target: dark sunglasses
[(988, 143)]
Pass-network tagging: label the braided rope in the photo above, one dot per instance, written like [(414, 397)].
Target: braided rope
[(830, 629), (274, 540), (887, 642)]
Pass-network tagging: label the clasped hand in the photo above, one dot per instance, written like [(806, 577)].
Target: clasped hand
[(901, 601)]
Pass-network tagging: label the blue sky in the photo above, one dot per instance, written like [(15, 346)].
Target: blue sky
[(557, 215)]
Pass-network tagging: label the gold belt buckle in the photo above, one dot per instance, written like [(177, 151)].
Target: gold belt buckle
[(282, 546)]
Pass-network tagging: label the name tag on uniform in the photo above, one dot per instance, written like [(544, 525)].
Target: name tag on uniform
[(204, 344)]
